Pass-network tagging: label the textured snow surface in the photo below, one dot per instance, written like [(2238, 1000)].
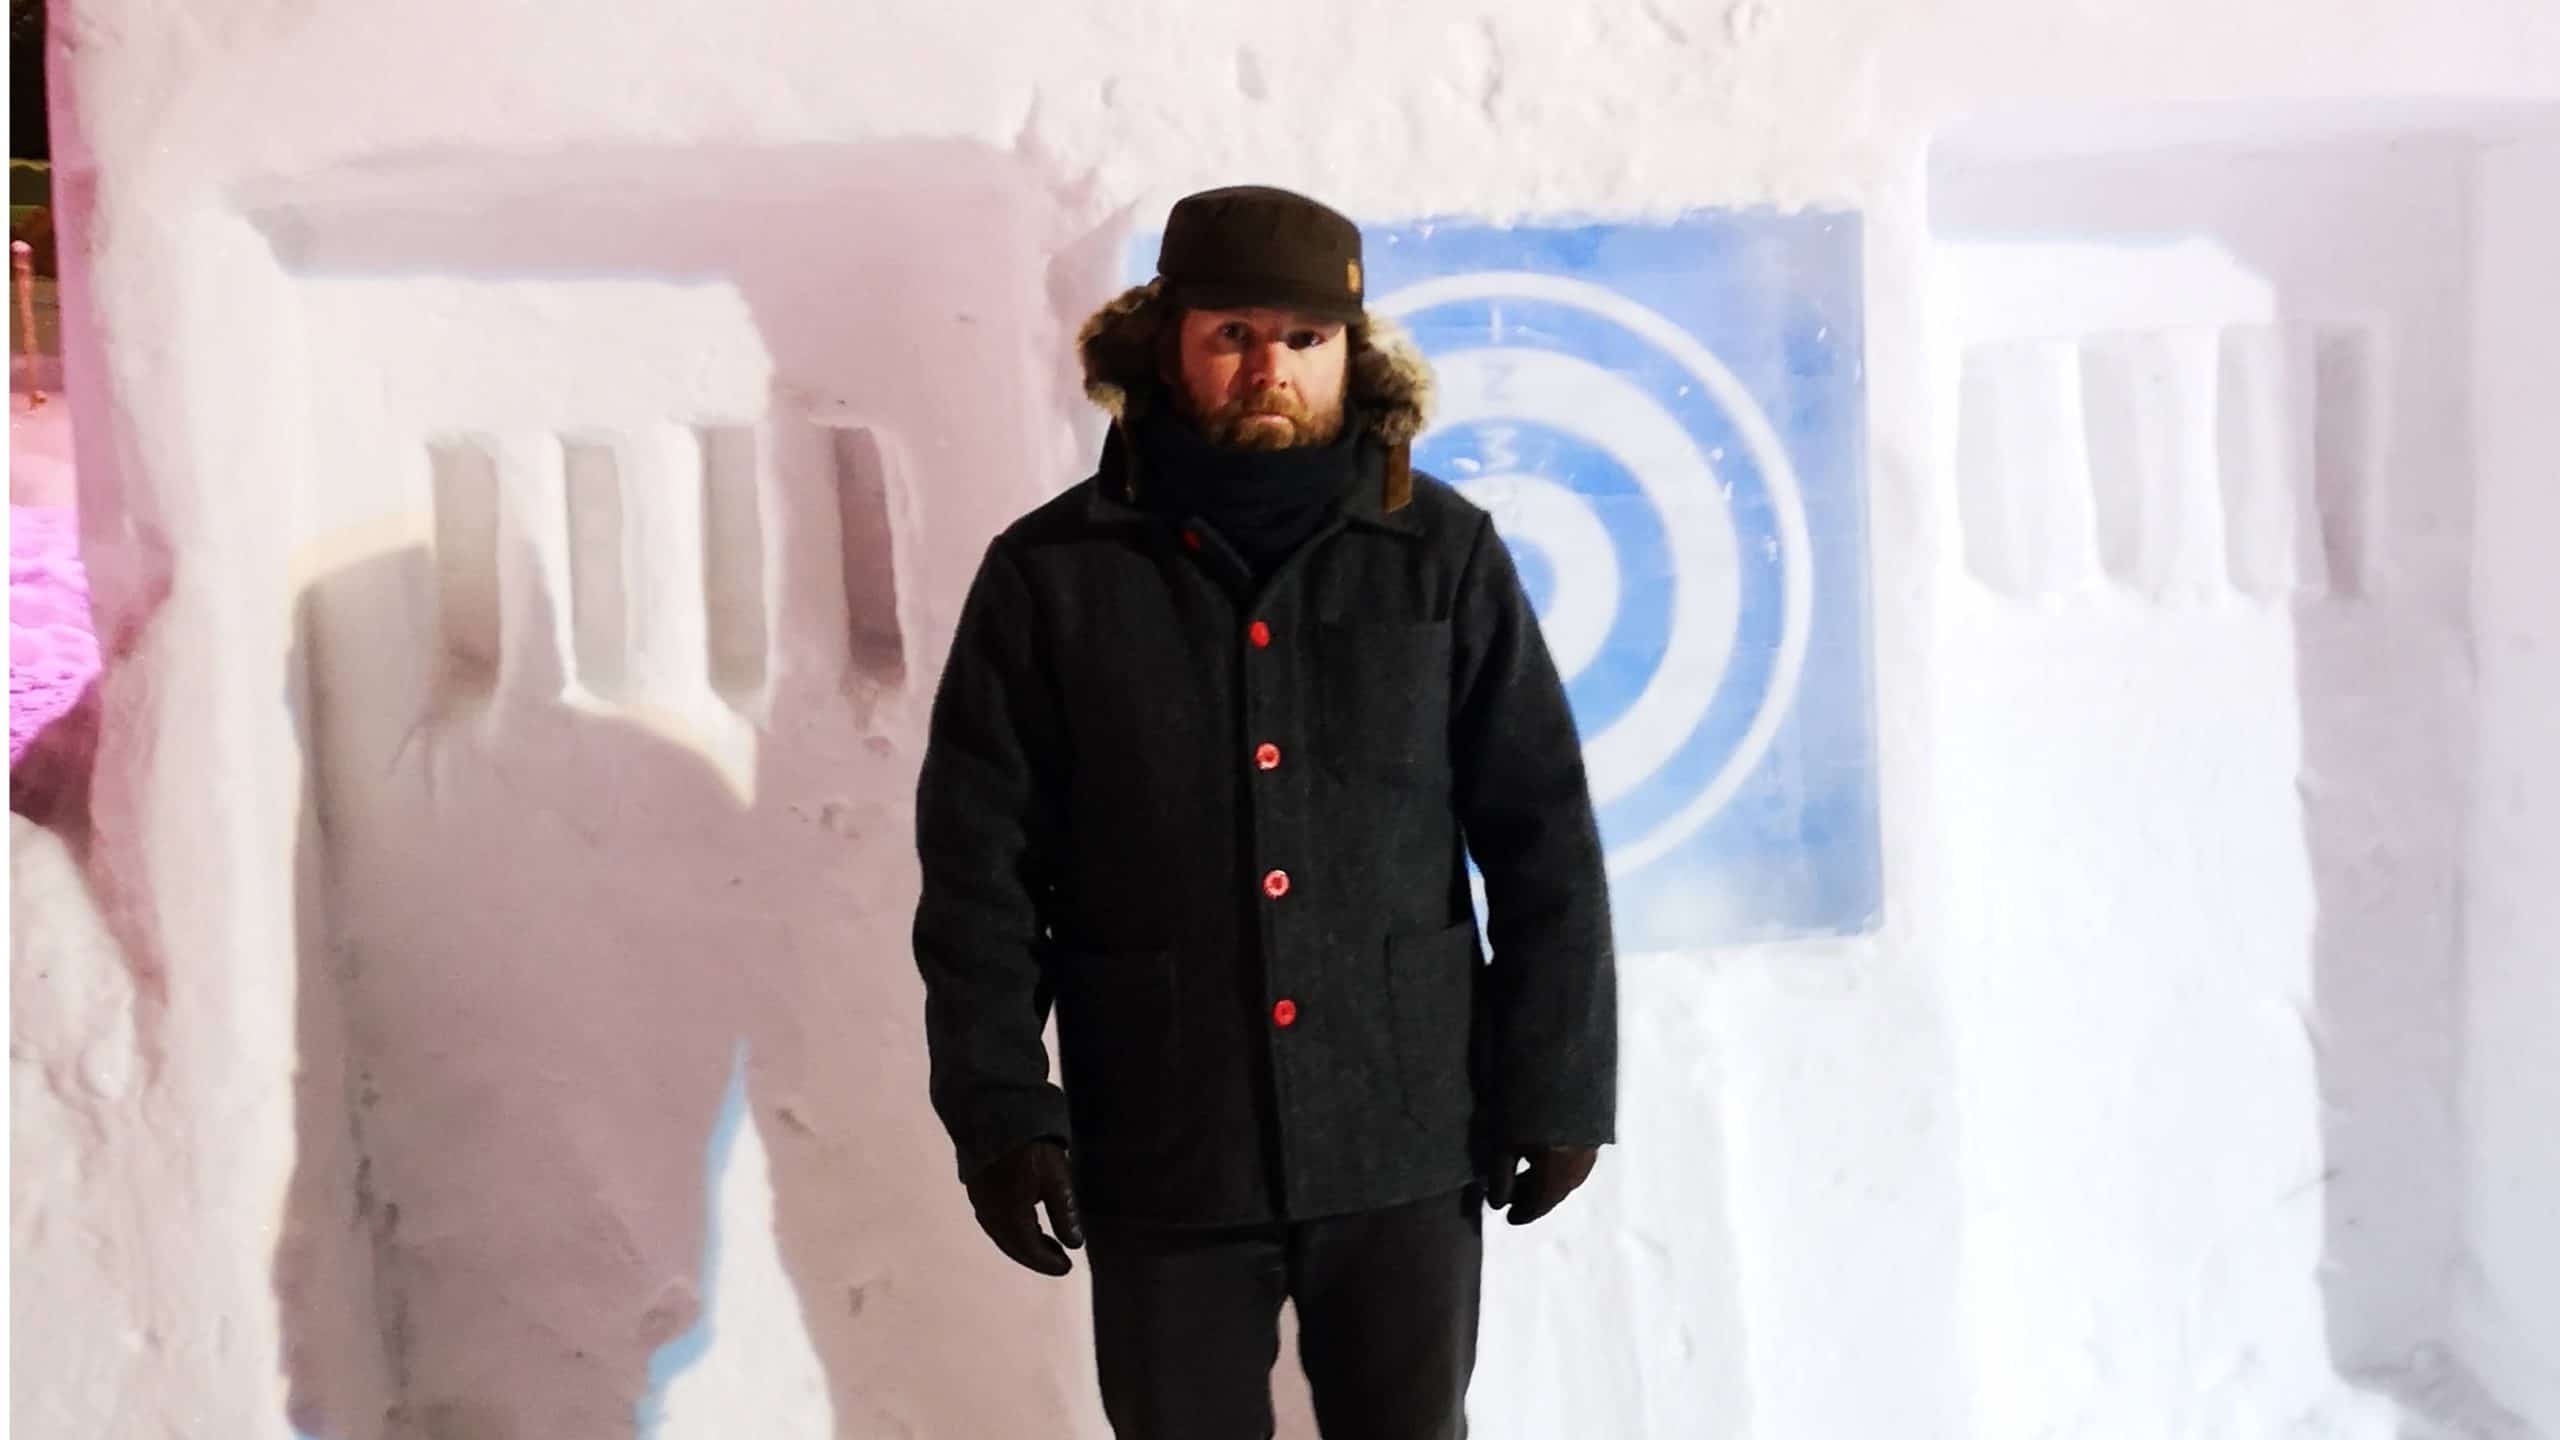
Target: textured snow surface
[(53, 654)]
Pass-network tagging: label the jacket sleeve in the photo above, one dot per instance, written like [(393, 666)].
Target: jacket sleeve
[(1526, 809), (987, 828)]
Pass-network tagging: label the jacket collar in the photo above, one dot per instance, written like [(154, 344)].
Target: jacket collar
[(1381, 499)]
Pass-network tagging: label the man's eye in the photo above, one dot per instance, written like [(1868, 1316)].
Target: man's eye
[(1305, 340), (1231, 331)]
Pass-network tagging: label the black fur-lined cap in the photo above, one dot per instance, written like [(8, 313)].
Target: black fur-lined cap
[(1251, 245)]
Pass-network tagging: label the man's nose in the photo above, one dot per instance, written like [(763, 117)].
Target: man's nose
[(1262, 366)]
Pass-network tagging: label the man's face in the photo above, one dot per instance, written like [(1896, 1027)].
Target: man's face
[(1260, 379)]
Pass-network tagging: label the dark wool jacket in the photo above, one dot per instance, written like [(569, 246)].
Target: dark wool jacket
[(1224, 827)]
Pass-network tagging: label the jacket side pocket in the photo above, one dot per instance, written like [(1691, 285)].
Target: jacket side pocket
[(1116, 1044), (1431, 993)]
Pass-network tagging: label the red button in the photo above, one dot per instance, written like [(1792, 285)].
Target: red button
[(1285, 1014), (1191, 539), (1260, 635), (1276, 884), (1267, 757)]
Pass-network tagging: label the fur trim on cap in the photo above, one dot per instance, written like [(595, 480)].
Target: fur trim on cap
[(1389, 384)]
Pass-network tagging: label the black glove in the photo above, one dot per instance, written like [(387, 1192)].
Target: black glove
[(1555, 1171), (1007, 1196)]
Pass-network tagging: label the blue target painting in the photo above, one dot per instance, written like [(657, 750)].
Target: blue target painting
[(1666, 421)]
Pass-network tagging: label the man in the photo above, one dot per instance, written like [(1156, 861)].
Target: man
[(1220, 728)]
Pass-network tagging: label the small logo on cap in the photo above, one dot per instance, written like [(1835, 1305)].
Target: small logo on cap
[(1353, 266)]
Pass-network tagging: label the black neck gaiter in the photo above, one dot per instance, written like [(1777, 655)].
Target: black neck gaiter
[(1266, 503)]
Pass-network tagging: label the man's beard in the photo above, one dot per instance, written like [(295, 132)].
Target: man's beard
[(1236, 426)]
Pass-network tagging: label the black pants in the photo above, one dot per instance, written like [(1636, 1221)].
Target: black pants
[(1187, 1322)]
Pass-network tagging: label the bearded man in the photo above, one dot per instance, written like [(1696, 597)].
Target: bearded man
[(1221, 729)]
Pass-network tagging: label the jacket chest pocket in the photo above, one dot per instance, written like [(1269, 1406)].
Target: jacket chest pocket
[(1381, 700)]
